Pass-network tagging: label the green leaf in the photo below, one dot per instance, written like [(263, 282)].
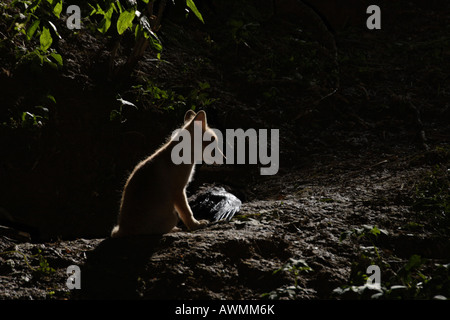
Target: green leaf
[(45, 39), (106, 21), (414, 262), (97, 10), (119, 6), (156, 44), (50, 98), (26, 115), (32, 29), (125, 20), (375, 231), (115, 115), (57, 57), (58, 8), (191, 5), (137, 31)]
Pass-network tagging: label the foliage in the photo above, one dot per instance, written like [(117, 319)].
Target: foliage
[(34, 21), (432, 199), (33, 118), (199, 96), (43, 268), (417, 278), (169, 99), (118, 114), (31, 30), (31, 21), (365, 231), (295, 267), (160, 98), (139, 17), (29, 119)]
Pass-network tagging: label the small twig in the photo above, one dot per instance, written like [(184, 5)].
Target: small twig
[(379, 163), (326, 96)]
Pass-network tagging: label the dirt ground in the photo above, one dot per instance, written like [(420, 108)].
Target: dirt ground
[(298, 221), (363, 180)]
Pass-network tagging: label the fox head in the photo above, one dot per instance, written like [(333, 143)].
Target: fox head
[(205, 144)]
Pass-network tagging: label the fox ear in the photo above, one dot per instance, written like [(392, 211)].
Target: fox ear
[(189, 116), (201, 116)]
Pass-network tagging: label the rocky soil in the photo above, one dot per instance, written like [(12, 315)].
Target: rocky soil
[(294, 225)]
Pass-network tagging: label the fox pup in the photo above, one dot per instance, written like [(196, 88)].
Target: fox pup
[(154, 196)]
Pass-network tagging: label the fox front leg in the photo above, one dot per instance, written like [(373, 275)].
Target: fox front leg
[(186, 215)]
